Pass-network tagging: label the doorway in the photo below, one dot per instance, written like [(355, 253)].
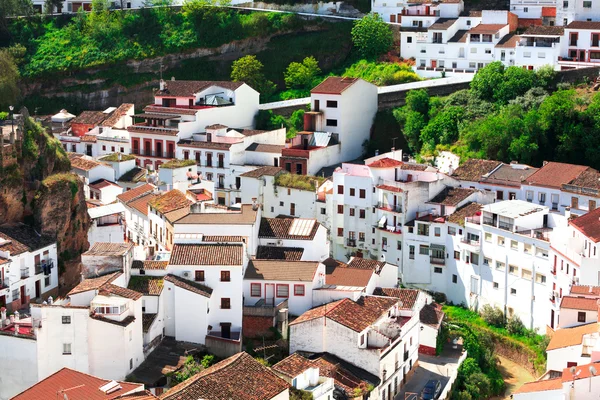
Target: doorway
[(38, 289), (23, 294), (270, 294), (226, 330)]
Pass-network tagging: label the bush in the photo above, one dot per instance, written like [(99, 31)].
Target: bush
[(381, 73), (372, 36), (492, 315), (302, 75), (515, 326)]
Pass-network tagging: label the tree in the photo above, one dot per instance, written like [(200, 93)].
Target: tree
[(492, 315), (516, 82), (10, 8), (372, 36), (9, 77), (249, 70), (487, 79), (302, 75), (515, 326), (51, 5)]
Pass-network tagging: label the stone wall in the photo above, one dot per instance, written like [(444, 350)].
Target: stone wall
[(577, 75)]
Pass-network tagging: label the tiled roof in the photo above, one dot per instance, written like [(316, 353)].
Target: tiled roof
[(207, 254), (333, 263), (288, 228), (191, 286), (450, 196), (543, 30), (279, 253), (120, 291), (595, 25), (173, 216), (590, 178), (89, 138), (588, 224), (21, 238), (109, 249), (141, 203), (148, 285), (408, 297), (169, 201), (136, 192), (150, 264), (136, 174), (154, 108), (224, 239), (414, 167), (473, 169), (258, 172), (468, 210), (442, 24), (432, 315), (357, 315), (509, 174), (102, 183), (147, 320), (487, 28), (237, 377), (265, 148), (549, 11), (116, 115), (540, 386), (189, 88), (205, 145), (345, 276), (216, 126), (152, 130), (345, 375), (581, 372), (144, 395), (459, 37), (247, 216), (93, 283), (579, 303), (567, 337), (365, 263), (80, 387), (555, 174), (385, 163), (84, 164), (334, 85), (89, 118), (293, 365), (509, 41), (389, 188), (587, 290), (249, 132), (280, 270)]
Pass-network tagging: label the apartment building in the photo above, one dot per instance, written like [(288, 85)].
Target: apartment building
[(28, 266), (580, 44), (424, 12), (535, 13)]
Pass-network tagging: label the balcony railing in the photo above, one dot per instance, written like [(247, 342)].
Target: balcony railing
[(150, 153), (505, 226), (437, 260), (44, 267), (351, 242), (4, 283), (325, 385), (389, 207), (24, 273), (470, 242)]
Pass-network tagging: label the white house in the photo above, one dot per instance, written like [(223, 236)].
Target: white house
[(91, 171), (137, 223), (107, 224), (304, 374), (306, 235), (572, 346), (104, 191)]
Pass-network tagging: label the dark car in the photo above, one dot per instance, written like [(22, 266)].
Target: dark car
[(432, 390)]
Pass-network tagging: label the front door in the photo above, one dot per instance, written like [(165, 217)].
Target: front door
[(270, 293), (226, 330), (38, 289), (393, 18), (433, 63), (23, 294), (2, 301)]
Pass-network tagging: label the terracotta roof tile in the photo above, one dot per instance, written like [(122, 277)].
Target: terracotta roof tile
[(579, 303), (280, 270), (109, 249), (509, 41), (89, 139), (150, 264), (414, 167), (431, 314), (141, 203), (334, 85), (145, 395), (224, 239), (84, 164), (588, 224), (194, 287), (585, 290), (189, 88), (590, 178), (176, 215), (119, 291), (581, 372), (357, 315), (344, 276), (237, 377), (452, 196), (555, 174), (408, 297), (136, 192), (169, 110), (459, 37), (20, 238), (293, 365), (116, 115), (385, 163), (473, 169), (207, 254), (441, 24), (548, 11), (93, 283), (101, 184), (540, 386), (594, 25), (265, 148), (543, 30), (147, 285), (279, 253), (89, 118), (169, 201), (567, 337), (147, 320), (389, 188), (365, 263), (468, 210), (345, 374), (205, 145), (288, 228), (487, 28), (81, 387), (136, 174), (152, 130)]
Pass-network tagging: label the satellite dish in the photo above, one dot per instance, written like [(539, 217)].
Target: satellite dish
[(593, 370), (573, 369)]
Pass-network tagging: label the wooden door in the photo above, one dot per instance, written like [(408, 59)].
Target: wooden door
[(393, 18), (38, 289), (433, 63), (23, 294)]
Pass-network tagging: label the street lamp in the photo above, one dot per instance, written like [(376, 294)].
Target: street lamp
[(12, 121)]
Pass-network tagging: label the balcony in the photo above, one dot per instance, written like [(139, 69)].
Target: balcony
[(24, 273), (44, 267), (150, 153), (389, 207), (391, 229), (264, 308), (323, 386), (233, 335), (437, 260), (351, 242), (4, 284), (505, 226)]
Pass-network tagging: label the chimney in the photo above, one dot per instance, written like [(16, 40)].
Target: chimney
[(17, 316), (50, 300), (173, 78), (163, 85), (567, 213)]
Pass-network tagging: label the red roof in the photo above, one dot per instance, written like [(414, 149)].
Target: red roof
[(585, 290), (581, 372), (579, 303), (540, 386), (385, 163), (136, 192), (334, 85), (80, 387), (589, 225), (548, 11), (555, 174), (389, 188), (102, 183)]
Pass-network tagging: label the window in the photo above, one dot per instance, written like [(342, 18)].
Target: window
[(424, 249), (66, 348), (525, 9), (541, 55), (225, 276), (527, 248), (542, 198), (587, 4), (411, 252), (298, 290), (437, 231), (526, 274), (361, 214), (399, 245), (526, 54), (472, 65), (352, 192), (565, 5), (199, 276), (423, 229), (500, 240), (512, 269), (323, 211), (496, 285), (131, 363), (500, 265), (340, 232), (487, 261), (340, 209), (66, 319), (513, 291), (451, 230), (340, 189), (331, 122), (454, 278), (225, 303), (255, 290), (283, 291), (514, 245), (456, 255), (409, 39), (474, 285), (352, 211), (331, 104), (488, 51), (361, 236), (539, 278), (581, 316), (437, 270), (362, 193), (475, 258), (591, 205), (488, 237)]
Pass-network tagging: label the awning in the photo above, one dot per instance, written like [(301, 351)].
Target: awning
[(437, 247)]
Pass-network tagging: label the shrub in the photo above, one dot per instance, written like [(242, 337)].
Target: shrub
[(492, 315), (515, 326), (372, 36)]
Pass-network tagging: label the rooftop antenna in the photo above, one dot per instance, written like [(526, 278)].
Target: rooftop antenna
[(65, 397), (394, 143), (161, 70)]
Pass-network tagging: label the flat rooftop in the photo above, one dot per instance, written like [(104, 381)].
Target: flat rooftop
[(513, 208)]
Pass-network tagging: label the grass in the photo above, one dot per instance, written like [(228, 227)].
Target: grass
[(117, 157), (301, 182), (172, 164), (60, 179)]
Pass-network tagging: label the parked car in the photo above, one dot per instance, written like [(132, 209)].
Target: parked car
[(432, 390)]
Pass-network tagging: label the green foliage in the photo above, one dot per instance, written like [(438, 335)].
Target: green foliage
[(381, 73), (262, 361), (514, 326), (9, 77), (249, 70), (191, 367), (487, 80), (296, 394), (302, 75), (371, 36), (302, 182), (492, 315), (268, 120), (441, 339), (176, 163)]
